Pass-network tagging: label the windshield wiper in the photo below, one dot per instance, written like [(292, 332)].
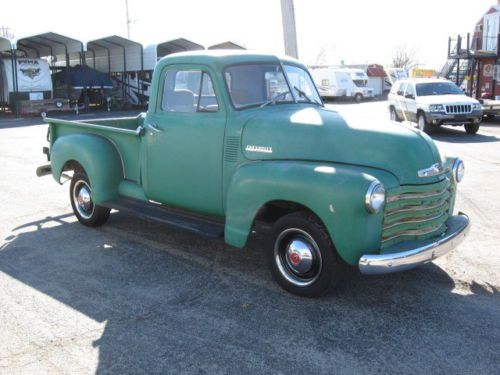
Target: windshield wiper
[(304, 95), (274, 98)]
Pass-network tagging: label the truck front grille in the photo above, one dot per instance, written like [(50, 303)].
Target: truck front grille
[(416, 212), (459, 109)]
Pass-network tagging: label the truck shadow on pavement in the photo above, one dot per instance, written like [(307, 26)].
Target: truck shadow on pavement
[(176, 303)]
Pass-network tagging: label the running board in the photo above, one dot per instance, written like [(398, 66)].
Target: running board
[(169, 216)]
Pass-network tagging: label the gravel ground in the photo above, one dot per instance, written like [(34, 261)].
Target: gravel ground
[(137, 297)]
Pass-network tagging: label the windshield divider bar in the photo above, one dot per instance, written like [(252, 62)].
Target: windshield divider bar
[(292, 91)]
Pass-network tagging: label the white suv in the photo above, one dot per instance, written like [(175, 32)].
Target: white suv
[(432, 103)]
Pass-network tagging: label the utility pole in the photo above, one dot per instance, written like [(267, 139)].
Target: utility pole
[(289, 30), (128, 19)]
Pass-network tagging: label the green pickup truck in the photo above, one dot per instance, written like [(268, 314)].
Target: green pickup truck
[(232, 139)]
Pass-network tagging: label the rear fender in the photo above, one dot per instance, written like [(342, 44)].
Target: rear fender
[(97, 156)]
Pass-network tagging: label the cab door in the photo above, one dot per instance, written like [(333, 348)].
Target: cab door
[(401, 100), (184, 142), (411, 104)]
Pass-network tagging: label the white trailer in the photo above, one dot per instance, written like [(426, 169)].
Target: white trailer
[(342, 82), (34, 92)]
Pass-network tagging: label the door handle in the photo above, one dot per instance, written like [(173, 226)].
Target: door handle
[(154, 127)]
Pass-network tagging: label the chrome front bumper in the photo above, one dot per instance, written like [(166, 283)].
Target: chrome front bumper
[(406, 258)]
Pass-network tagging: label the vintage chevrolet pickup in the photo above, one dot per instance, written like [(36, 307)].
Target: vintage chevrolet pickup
[(232, 139)]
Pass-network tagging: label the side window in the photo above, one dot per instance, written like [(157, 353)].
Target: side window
[(188, 91), (401, 88), (410, 90)]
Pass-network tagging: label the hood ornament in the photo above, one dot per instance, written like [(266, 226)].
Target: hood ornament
[(433, 170)]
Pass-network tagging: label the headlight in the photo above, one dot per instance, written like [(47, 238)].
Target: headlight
[(458, 170), (436, 108), (477, 107), (375, 197)]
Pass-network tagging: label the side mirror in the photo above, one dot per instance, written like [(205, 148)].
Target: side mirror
[(410, 96)]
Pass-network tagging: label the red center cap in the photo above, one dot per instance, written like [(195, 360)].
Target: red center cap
[(295, 258)]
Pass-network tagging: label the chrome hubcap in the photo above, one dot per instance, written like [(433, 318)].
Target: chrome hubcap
[(82, 199), (393, 115), (298, 257)]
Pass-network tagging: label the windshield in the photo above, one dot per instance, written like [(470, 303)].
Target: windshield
[(438, 88), (261, 84), (302, 84)]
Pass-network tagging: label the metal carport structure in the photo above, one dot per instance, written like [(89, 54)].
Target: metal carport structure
[(154, 52), (116, 55), (226, 45), (61, 51), (7, 45)]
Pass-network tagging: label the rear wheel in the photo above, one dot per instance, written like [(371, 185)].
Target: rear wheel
[(85, 210), (471, 128), (303, 258), (423, 124), (394, 115)]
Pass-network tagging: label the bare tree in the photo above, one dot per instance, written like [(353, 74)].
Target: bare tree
[(321, 58), (325, 55), (405, 58)]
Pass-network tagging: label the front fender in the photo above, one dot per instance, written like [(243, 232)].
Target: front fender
[(98, 157), (335, 193)]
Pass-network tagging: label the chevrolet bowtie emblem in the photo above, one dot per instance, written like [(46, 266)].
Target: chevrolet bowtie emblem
[(433, 170)]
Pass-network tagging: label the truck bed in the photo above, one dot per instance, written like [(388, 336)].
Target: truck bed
[(121, 132)]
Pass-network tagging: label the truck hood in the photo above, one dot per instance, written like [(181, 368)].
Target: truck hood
[(318, 134), (446, 99)]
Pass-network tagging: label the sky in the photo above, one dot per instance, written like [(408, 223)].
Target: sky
[(353, 31)]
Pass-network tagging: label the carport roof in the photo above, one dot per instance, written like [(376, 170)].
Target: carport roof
[(226, 45), (375, 71), (177, 45), (125, 54), (6, 44), (113, 41), (49, 44)]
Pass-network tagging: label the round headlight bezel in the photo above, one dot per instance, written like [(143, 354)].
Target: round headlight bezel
[(458, 170), (375, 197)]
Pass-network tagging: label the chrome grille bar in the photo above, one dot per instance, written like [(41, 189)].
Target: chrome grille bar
[(414, 232), (413, 221), (458, 109)]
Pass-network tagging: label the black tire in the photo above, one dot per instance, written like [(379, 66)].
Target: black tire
[(358, 98), (423, 124), (394, 114), (87, 213), (471, 128), (326, 268)]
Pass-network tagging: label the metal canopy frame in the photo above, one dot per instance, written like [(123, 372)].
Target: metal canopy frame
[(154, 52), (56, 46), (226, 45), (114, 46), (176, 45), (7, 45)]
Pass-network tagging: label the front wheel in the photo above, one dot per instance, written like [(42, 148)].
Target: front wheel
[(303, 258), (471, 128), (423, 124), (87, 213), (358, 98), (394, 115)]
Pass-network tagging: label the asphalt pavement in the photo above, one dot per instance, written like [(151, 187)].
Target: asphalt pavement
[(136, 297)]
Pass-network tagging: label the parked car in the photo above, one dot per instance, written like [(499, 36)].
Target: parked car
[(432, 103), (342, 82), (233, 139)]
